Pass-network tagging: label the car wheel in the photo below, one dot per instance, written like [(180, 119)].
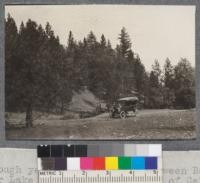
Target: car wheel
[(123, 114)]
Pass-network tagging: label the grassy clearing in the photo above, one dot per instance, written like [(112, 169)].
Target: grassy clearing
[(148, 124)]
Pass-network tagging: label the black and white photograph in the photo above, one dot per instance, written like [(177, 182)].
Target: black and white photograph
[(100, 72)]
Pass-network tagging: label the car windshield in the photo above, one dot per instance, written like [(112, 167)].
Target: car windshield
[(122, 102)]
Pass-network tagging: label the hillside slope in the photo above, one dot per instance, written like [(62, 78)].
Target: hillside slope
[(83, 101)]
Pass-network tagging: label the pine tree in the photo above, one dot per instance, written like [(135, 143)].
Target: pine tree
[(155, 87), (184, 84), (11, 63), (168, 81), (91, 41), (48, 30), (125, 42), (139, 74), (156, 69), (70, 41), (103, 41), (168, 74), (27, 83), (109, 46)]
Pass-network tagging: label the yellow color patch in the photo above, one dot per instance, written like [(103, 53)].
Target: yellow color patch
[(111, 163)]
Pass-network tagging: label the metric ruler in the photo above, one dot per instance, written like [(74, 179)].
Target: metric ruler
[(122, 176), (127, 163)]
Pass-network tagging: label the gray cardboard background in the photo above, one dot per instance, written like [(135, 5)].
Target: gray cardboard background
[(193, 144)]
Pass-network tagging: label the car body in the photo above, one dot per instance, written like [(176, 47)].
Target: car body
[(124, 107)]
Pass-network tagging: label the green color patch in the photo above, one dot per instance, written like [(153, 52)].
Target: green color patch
[(124, 163)]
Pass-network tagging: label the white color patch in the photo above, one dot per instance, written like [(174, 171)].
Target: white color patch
[(73, 163), (155, 150), (39, 164), (142, 150)]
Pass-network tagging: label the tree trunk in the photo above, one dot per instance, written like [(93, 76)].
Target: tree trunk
[(29, 116), (62, 108)]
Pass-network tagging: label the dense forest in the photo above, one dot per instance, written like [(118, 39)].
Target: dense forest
[(41, 73)]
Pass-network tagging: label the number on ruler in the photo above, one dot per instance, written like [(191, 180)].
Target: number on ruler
[(100, 177)]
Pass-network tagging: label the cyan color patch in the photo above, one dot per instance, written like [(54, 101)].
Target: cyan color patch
[(138, 163), (151, 163)]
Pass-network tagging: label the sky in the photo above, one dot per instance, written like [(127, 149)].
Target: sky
[(156, 32)]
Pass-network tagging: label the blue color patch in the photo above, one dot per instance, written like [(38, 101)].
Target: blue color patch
[(151, 163), (138, 163)]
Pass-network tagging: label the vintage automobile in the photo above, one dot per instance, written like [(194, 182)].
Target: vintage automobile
[(124, 107)]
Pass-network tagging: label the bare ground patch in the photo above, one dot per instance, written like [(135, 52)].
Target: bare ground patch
[(148, 124)]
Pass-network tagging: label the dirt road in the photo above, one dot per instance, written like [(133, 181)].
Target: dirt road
[(148, 124)]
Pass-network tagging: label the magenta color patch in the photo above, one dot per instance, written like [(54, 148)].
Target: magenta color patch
[(86, 163)]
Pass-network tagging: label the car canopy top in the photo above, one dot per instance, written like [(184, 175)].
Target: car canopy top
[(134, 99)]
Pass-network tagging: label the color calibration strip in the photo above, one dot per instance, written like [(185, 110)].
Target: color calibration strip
[(103, 150), (98, 163), (99, 157)]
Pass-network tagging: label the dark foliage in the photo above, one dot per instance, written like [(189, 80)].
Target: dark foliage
[(41, 74)]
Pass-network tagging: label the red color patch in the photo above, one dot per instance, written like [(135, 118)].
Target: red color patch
[(99, 163)]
